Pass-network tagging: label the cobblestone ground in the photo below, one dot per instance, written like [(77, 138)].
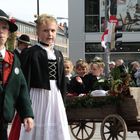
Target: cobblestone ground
[(131, 136)]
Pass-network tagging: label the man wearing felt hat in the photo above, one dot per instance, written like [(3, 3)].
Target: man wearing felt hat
[(13, 88), (23, 42)]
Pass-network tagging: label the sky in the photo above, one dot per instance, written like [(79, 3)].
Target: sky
[(26, 9)]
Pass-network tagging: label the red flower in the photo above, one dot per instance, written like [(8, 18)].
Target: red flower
[(13, 20)]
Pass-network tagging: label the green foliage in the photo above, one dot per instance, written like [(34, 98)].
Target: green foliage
[(120, 81), (115, 73), (89, 101)]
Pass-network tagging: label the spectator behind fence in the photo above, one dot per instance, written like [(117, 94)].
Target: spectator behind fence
[(111, 65), (136, 72)]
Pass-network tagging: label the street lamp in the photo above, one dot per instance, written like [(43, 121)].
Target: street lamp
[(37, 13)]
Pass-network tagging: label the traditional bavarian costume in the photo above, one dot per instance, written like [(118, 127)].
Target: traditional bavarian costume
[(44, 71)]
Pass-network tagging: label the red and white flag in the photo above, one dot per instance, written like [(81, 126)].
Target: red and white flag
[(106, 37)]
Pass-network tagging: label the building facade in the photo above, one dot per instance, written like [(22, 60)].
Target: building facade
[(87, 24)]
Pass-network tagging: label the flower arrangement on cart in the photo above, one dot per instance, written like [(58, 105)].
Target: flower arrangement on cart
[(119, 82)]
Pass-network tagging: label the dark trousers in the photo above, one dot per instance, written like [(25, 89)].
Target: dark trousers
[(3, 130)]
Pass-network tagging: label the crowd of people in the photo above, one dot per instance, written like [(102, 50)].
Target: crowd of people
[(87, 77), (34, 81)]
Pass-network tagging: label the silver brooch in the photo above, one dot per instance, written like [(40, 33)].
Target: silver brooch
[(16, 70)]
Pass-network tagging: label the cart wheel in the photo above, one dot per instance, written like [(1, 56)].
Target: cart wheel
[(113, 127), (138, 133), (82, 130)]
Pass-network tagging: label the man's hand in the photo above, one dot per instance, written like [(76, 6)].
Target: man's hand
[(28, 124)]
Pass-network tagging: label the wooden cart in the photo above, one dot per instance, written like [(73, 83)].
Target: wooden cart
[(115, 118)]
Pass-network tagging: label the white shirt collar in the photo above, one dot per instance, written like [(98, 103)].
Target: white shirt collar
[(49, 50), (46, 48), (2, 51), (69, 76)]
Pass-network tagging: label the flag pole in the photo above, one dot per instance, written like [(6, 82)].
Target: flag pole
[(37, 7), (107, 50)]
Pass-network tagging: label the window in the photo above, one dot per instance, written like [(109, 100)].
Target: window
[(129, 51), (92, 7), (128, 47), (93, 47), (92, 15)]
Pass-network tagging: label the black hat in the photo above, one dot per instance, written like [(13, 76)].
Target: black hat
[(4, 17), (24, 38)]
